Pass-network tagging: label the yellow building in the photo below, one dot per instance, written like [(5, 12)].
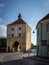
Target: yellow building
[(18, 36)]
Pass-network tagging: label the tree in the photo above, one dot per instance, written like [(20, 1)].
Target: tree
[(33, 46), (3, 42)]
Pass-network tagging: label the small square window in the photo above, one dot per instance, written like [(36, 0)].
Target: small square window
[(19, 28), (44, 42), (20, 34), (47, 27), (12, 35), (12, 29), (48, 49)]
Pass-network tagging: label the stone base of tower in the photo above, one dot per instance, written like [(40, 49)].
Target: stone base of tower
[(16, 45)]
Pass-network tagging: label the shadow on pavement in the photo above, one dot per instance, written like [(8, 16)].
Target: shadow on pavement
[(13, 62), (24, 61)]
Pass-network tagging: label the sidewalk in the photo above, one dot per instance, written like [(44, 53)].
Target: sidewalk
[(43, 59), (39, 58)]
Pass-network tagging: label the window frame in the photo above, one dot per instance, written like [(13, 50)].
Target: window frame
[(19, 34), (12, 29), (19, 28), (12, 35), (47, 27), (44, 42)]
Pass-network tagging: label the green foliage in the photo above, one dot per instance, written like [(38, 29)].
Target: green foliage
[(33, 46), (2, 42)]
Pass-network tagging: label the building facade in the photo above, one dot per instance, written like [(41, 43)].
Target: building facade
[(18, 36), (43, 36)]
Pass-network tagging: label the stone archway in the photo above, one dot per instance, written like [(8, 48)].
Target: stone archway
[(16, 47)]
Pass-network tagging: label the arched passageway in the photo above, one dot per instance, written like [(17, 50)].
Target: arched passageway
[(16, 47)]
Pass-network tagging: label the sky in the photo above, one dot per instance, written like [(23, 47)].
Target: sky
[(31, 10)]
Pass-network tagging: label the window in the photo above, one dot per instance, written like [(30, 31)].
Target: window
[(48, 49), (12, 29), (19, 34), (8, 30), (44, 42), (47, 27), (19, 28), (12, 35)]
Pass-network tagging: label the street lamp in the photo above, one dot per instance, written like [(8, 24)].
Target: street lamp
[(33, 31), (36, 45)]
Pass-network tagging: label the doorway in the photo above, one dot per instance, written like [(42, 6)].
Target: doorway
[(16, 47)]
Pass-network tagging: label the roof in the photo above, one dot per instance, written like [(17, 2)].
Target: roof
[(19, 21), (44, 18)]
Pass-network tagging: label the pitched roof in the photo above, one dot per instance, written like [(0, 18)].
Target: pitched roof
[(19, 21), (44, 18)]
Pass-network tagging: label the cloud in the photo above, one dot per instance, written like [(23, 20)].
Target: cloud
[(30, 22), (1, 7), (1, 20), (20, 1), (3, 31), (30, 25), (31, 19), (46, 3)]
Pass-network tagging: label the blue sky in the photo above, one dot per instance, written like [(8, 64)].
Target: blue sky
[(31, 10)]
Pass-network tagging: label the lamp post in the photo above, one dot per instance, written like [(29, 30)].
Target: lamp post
[(36, 45), (33, 31)]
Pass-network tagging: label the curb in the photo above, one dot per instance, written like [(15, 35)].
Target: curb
[(42, 59)]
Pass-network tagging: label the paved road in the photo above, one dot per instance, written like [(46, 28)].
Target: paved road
[(13, 56), (24, 62), (10, 56), (16, 59)]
